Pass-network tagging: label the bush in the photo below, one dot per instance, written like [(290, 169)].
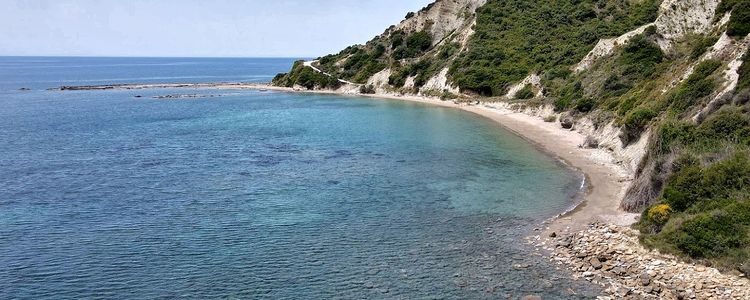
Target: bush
[(744, 72), (695, 187), (702, 45), (640, 57), (635, 122), (731, 125), (585, 104), (709, 236), (367, 89), (525, 93), (422, 70), (654, 218), (414, 45), (739, 22), (659, 213), (697, 86)]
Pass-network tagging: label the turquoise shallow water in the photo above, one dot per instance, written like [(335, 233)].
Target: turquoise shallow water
[(263, 195)]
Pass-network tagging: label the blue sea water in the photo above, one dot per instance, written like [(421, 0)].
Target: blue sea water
[(260, 195)]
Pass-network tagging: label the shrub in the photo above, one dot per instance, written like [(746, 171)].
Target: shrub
[(659, 213), (731, 125), (744, 72), (448, 50), (739, 22), (585, 104), (568, 95), (697, 86), (448, 95), (419, 41), (654, 218), (709, 235), (414, 45), (525, 93), (367, 89), (640, 57), (635, 122), (702, 45), (695, 187)]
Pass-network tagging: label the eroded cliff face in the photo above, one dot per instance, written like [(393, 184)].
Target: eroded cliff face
[(443, 19)]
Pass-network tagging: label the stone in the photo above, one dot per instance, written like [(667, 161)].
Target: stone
[(595, 263), (645, 279), (590, 143), (531, 297), (553, 235), (566, 123)]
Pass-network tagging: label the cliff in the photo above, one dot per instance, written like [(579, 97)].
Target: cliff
[(663, 85)]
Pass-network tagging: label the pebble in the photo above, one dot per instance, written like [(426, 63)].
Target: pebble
[(612, 257)]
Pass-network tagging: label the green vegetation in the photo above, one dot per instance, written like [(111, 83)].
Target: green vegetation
[(413, 46), (367, 89), (306, 77), (697, 86), (361, 64), (744, 72), (516, 37), (422, 69), (702, 45), (708, 191), (739, 22), (525, 93), (711, 213)]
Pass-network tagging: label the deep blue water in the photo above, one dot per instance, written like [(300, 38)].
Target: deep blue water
[(260, 195)]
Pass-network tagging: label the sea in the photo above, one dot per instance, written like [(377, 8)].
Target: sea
[(241, 194)]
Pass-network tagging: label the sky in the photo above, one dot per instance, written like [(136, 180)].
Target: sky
[(193, 28)]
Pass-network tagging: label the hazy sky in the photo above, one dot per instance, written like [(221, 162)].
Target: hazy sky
[(296, 28)]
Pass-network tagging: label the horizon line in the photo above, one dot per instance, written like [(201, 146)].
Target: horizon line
[(155, 56)]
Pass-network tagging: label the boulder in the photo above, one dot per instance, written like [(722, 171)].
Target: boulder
[(590, 143), (566, 123)]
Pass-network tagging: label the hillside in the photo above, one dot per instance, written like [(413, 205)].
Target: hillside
[(663, 85)]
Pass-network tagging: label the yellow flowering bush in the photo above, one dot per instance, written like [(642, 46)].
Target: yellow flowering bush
[(659, 214)]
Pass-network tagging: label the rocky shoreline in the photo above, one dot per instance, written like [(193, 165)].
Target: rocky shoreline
[(611, 256)]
